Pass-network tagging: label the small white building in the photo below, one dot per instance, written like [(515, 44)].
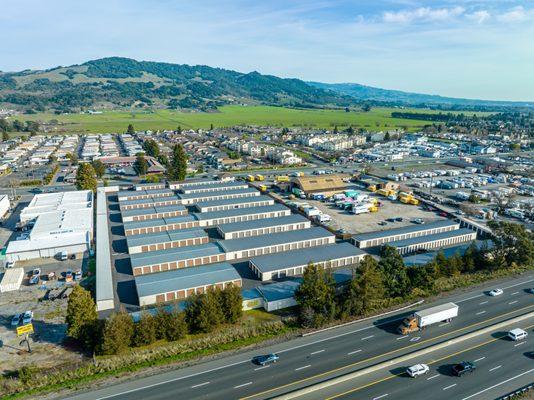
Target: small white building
[(4, 205)]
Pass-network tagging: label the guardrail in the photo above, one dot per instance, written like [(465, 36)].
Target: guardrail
[(518, 392)]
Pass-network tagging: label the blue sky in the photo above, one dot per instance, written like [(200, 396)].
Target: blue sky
[(466, 48)]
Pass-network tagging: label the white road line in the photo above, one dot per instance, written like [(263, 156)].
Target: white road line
[(402, 337), (200, 384), (381, 397), (519, 344), (480, 312), (244, 384), (484, 302), (306, 366), (450, 386), (317, 352), (470, 298), (368, 337), (480, 359), (446, 323), (498, 384), (514, 293), (513, 302), (265, 366), (494, 368), (354, 352), (432, 377)]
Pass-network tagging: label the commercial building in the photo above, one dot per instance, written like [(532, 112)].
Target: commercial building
[(160, 225), (50, 203), (435, 241), (266, 244), (327, 184), (182, 283), (143, 194), (141, 214), (292, 263), (228, 204), (263, 226), (150, 202), (176, 258), (378, 238), (193, 198), (166, 240), (210, 187)]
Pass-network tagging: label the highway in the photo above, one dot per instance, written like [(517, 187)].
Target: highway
[(311, 359)]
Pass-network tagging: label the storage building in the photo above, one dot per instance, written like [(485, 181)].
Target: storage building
[(263, 226), (277, 242), (435, 241), (378, 238), (291, 263), (209, 187), (11, 280), (149, 186), (160, 225), (228, 204), (241, 214), (176, 258), (166, 240), (195, 182), (143, 194), (104, 296), (141, 214), (182, 283), (193, 198), (150, 202)]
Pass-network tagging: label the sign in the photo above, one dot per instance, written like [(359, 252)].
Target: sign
[(21, 330)]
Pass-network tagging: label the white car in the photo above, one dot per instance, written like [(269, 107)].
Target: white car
[(517, 334), (418, 369), (27, 317), (496, 292)]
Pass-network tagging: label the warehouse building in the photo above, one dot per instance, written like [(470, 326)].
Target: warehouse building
[(228, 204), (277, 242), (263, 226), (328, 184), (209, 187), (292, 263), (241, 214), (166, 240), (104, 293), (176, 258), (435, 241), (193, 198), (5, 205), (378, 238), (123, 195), (141, 214), (150, 202), (149, 186), (195, 182), (182, 283), (51, 203), (160, 225)]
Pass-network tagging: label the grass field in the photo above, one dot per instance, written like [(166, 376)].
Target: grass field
[(114, 121)]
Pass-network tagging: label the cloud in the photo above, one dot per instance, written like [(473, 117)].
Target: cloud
[(516, 14), (423, 14), (479, 16)]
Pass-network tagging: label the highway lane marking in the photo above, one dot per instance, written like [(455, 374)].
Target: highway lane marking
[(200, 384), (480, 359), (494, 368), (354, 352), (498, 384), (484, 302), (514, 293), (432, 377), (244, 384), (384, 354), (265, 366), (317, 352), (519, 344), (450, 386), (381, 397), (513, 302), (402, 337), (368, 337), (480, 312), (306, 366)]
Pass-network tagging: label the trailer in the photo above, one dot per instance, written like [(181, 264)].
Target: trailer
[(421, 319), (12, 280)]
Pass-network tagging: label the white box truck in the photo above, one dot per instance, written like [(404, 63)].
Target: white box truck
[(421, 319)]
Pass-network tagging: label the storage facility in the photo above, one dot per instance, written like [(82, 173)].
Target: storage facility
[(176, 258), (105, 296), (292, 263), (435, 241), (195, 182), (182, 283), (378, 238), (160, 225), (166, 240), (228, 204), (263, 226), (149, 202), (149, 186), (209, 187), (124, 195), (193, 198), (277, 242), (141, 214), (241, 214), (11, 280)]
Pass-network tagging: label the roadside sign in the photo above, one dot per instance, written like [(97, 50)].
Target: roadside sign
[(24, 329)]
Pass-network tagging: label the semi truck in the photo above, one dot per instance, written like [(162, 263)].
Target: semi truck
[(421, 319)]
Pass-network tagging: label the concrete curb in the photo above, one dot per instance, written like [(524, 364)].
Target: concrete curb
[(363, 319), (385, 364)]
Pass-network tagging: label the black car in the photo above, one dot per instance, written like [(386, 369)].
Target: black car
[(463, 368), (266, 359)]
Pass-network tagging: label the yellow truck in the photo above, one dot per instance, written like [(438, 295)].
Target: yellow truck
[(263, 188), (371, 188), (383, 192), (250, 178), (259, 178), (282, 178)]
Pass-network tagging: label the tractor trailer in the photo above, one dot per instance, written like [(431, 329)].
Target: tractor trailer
[(421, 319)]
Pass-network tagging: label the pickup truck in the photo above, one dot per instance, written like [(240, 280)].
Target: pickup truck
[(421, 319)]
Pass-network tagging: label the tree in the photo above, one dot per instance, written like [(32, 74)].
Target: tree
[(512, 244), (211, 127), (171, 325), (366, 107), (317, 293), (81, 315), (32, 127), (394, 272), (117, 333), (140, 165), (422, 277), (18, 126), (176, 171), (99, 167), (365, 291), (179, 130), (163, 160), (5, 136), (86, 177), (232, 304), (387, 137), (130, 129), (4, 127), (73, 158), (203, 312), (145, 331), (151, 148)]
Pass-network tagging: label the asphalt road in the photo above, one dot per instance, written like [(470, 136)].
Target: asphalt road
[(308, 360)]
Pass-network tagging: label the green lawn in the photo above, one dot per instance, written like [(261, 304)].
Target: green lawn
[(114, 121)]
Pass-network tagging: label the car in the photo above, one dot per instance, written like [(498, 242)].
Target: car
[(266, 359), (27, 317), (496, 292), (391, 220), (15, 321), (418, 221), (418, 369), (517, 334), (399, 219), (530, 290), (10, 264), (463, 368)]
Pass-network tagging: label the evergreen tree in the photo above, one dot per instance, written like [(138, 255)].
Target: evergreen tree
[(232, 303), (151, 148), (140, 165), (5, 136), (99, 167), (365, 292), (171, 325), (203, 312), (421, 277), (81, 315), (73, 158), (177, 168), (317, 292), (387, 137), (117, 333), (394, 272), (163, 160), (130, 129), (145, 331), (179, 130), (86, 177)]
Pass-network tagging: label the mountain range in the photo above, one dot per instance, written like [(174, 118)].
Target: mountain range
[(115, 82)]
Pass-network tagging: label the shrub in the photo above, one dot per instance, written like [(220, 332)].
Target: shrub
[(145, 330), (117, 333)]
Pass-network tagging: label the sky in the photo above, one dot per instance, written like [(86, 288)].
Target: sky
[(480, 49)]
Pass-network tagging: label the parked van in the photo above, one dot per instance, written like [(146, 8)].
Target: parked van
[(517, 334), (63, 256)]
